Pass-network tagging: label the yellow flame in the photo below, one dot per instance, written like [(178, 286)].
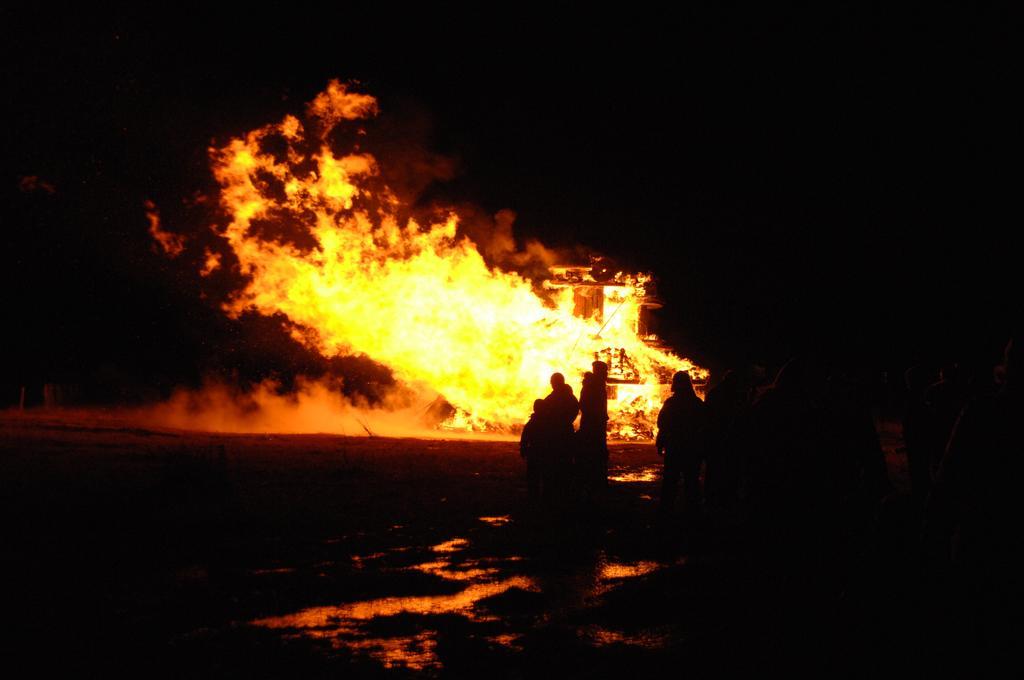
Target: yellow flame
[(418, 298)]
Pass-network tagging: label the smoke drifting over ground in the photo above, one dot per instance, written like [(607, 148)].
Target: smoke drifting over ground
[(311, 407)]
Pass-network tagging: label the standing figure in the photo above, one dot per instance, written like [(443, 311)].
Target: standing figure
[(916, 434), (681, 429), (593, 435), (728, 410), (533, 448), (944, 401), (975, 508), (560, 409)]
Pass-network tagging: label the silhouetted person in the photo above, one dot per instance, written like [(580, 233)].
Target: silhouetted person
[(728, 409), (562, 404), (584, 458), (916, 424), (681, 431), (977, 502), (593, 435), (944, 400), (858, 476), (533, 448), (790, 468), (560, 409)]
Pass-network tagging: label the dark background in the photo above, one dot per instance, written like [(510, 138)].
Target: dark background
[(799, 180)]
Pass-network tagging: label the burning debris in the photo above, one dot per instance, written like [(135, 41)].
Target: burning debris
[(324, 244)]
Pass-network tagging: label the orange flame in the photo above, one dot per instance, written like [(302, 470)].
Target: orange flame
[(172, 244), (418, 298), (211, 262)]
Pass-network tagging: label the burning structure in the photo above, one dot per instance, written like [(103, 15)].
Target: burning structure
[(323, 244), (622, 304)]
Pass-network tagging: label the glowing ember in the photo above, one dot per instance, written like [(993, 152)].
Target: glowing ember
[(319, 239)]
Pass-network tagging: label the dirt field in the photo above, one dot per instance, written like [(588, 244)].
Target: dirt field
[(186, 554)]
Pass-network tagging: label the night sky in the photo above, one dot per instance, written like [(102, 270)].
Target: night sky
[(836, 181)]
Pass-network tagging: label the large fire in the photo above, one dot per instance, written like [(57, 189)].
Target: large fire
[(320, 241)]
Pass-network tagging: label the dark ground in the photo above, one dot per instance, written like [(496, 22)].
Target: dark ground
[(190, 554)]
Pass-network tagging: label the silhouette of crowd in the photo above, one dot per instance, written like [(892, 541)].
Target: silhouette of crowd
[(796, 468), (561, 461)]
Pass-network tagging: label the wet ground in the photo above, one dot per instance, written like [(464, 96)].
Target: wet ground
[(186, 554)]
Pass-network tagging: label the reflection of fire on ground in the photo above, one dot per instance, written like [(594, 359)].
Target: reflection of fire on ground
[(650, 473), (375, 627)]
